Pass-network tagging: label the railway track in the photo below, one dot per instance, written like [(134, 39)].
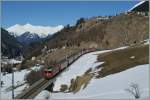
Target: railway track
[(34, 89), (40, 85)]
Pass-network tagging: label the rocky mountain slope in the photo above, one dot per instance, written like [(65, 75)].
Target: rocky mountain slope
[(10, 46), (109, 32), (116, 31), (124, 29), (28, 38)]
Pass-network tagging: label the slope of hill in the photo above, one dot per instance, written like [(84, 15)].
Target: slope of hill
[(113, 32), (103, 89), (80, 79), (10, 46), (109, 32), (101, 32)]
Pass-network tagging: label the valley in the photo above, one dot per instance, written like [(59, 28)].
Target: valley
[(76, 55)]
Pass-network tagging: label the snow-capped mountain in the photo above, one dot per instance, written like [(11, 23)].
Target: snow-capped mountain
[(27, 38), (41, 31), (28, 33)]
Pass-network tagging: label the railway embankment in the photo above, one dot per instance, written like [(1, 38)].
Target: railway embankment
[(112, 62)]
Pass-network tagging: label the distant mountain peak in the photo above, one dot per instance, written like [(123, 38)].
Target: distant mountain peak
[(42, 31)]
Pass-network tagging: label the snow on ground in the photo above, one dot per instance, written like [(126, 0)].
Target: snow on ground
[(7, 79), (146, 41), (77, 68), (13, 61), (10, 61), (132, 57), (43, 95), (112, 86), (80, 66), (18, 81), (124, 47), (98, 88)]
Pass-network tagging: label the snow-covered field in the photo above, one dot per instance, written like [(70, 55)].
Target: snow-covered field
[(113, 86), (19, 83), (10, 61), (7, 79), (109, 87), (78, 68), (44, 95)]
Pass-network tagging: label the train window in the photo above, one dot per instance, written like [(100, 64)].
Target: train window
[(50, 69)]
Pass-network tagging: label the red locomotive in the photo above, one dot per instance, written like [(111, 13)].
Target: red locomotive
[(51, 71), (54, 69)]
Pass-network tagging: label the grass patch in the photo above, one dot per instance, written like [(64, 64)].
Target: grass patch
[(120, 60), (114, 62), (77, 83)]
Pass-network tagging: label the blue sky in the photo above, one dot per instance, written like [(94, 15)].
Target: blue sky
[(48, 13)]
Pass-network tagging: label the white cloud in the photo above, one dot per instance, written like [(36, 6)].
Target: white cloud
[(42, 31)]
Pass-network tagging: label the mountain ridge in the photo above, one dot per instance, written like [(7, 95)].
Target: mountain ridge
[(10, 46), (41, 31)]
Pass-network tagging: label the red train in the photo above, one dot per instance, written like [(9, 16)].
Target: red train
[(54, 69)]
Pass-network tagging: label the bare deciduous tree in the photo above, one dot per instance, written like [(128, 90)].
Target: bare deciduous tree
[(134, 90)]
